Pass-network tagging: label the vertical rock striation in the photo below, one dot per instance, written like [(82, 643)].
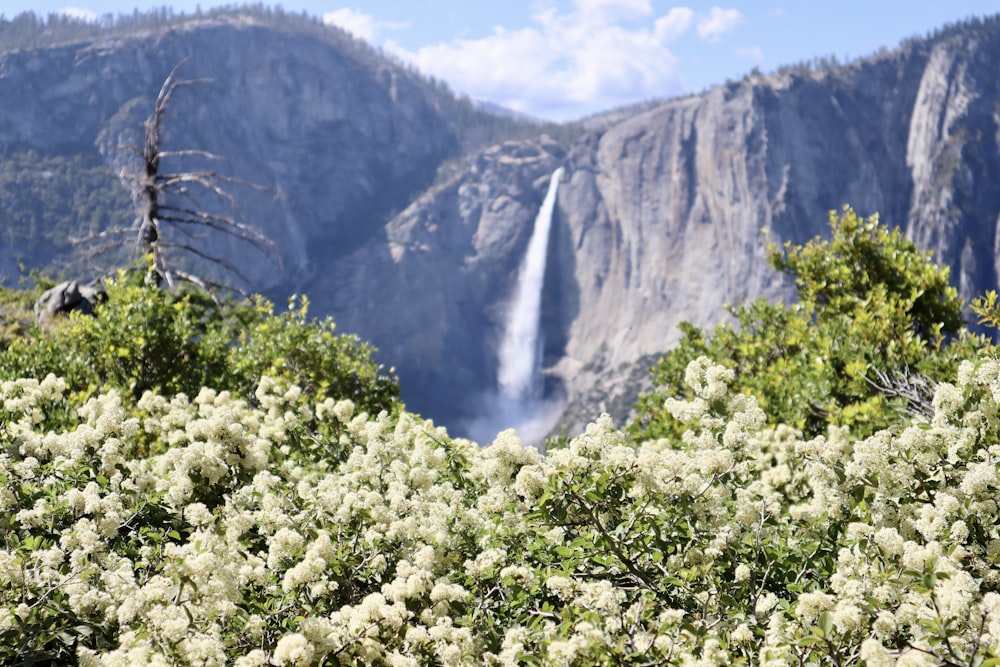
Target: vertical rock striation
[(665, 210)]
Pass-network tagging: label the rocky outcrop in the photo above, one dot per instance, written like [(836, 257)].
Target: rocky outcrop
[(69, 296)]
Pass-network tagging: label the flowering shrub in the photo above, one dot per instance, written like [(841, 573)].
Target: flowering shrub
[(147, 339), (215, 530), (875, 325)]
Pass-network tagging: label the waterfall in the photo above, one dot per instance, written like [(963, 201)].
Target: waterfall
[(520, 355), (517, 401)]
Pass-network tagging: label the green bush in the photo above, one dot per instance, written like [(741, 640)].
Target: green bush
[(176, 342), (875, 326)]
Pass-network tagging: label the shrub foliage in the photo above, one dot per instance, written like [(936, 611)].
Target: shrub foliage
[(875, 326), (242, 542), (178, 341), (184, 483)]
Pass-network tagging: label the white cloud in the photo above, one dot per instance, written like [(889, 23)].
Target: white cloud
[(600, 54), (754, 53), (80, 14), (612, 11), (676, 22), (718, 22), (359, 23)]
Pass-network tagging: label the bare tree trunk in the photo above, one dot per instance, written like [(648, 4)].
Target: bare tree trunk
[(164, 200)]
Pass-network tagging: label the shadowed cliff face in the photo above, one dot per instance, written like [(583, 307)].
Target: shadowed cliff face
[(659, 214)]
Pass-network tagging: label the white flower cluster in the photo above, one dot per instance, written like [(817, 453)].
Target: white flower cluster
[(213, 532)]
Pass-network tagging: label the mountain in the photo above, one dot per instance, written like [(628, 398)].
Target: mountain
[(659, 218), (404, 211), (337, 135)]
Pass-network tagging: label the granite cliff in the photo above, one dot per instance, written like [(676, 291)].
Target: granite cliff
[(336, 138), (401, 220)]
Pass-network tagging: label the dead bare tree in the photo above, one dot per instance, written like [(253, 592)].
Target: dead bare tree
[(165, 200)]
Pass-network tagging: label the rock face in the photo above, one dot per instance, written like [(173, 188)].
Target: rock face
[(666, 207), (415, 245), (660, 216), (433, 293), (336, 135)]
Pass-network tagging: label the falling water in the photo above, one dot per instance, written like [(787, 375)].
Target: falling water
[(518, 401), (519, 374)]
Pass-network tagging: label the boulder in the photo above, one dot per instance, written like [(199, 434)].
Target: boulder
[(69, 296)]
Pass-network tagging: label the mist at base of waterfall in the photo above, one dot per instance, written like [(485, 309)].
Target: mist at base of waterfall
[(532, 419)]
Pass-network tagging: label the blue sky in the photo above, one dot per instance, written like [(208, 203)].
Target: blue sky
[(562, 59)]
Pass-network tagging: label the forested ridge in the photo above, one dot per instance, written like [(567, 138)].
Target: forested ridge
[(77, 186)]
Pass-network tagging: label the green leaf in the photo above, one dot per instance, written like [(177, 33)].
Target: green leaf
[(825, 623), (810, 640)]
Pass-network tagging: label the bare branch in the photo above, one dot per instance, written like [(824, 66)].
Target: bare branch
[(103, 248), (207, 285), (170, 85), (913, 388), (215, 259), (120, 232), (189, 233), (219, 222), (192, 151), (157, 218), (206, 180)]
